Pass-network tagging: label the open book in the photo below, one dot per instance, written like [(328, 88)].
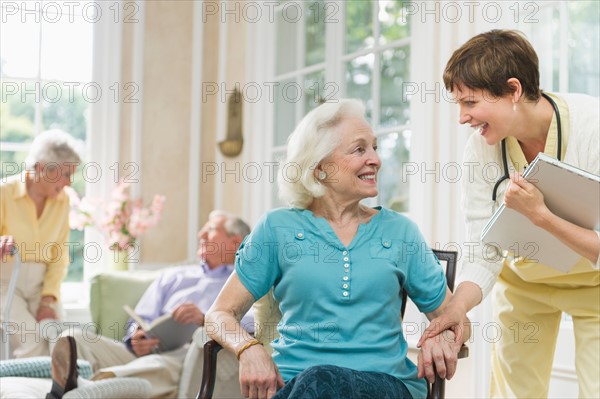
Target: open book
[(570, 193), (171, 334)]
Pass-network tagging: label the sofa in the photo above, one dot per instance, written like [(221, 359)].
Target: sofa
[(110, 291)]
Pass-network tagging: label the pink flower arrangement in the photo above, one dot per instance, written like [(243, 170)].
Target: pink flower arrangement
[(124, 219), (127, 219), (81, 213)]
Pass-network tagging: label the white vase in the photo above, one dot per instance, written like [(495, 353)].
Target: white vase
[(119, 260)]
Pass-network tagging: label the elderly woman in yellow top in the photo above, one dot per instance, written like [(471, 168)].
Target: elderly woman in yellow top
[(34, 217)]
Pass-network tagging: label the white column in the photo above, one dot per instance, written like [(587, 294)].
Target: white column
[(195, 131)]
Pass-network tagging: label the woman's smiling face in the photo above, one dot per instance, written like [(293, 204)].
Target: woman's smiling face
[(352, 167), (492, 117)]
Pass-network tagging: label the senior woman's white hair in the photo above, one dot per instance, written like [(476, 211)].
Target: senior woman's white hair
[(54, 146), (308, 145)]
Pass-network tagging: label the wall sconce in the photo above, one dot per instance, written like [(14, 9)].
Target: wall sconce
[(232, 145)]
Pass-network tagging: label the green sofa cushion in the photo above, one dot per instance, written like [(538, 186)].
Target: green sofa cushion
[(109, 292)]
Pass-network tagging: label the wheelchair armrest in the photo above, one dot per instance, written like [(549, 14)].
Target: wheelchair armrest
[(463, 352), (438, 388), (209, 372)]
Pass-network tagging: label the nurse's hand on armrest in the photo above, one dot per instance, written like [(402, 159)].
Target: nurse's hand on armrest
[(440, 351), (454, 314)]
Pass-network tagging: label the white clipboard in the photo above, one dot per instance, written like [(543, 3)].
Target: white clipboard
[(569, 192)]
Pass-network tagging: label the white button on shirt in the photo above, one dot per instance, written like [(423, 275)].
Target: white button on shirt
[(345, 286)]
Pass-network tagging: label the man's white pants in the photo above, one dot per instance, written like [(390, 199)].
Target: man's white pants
[(110, 358)]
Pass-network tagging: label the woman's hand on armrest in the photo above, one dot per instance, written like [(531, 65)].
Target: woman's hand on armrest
[(440, 351), (259, 376)]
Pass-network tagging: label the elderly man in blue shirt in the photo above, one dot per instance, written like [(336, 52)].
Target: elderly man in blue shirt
[(185, 291)]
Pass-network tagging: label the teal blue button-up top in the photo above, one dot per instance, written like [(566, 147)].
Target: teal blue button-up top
[(341, 305)]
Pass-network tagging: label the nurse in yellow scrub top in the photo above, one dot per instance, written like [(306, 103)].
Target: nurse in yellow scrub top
[(494, 78), (34, 217)]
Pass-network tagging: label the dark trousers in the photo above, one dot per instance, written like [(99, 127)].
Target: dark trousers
[(332, 382)]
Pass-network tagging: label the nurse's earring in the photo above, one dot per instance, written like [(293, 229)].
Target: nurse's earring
[(322, 175), (514, 107)]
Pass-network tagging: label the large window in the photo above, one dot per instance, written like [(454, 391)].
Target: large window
[(325, 50), (566, 37), (46, 78)]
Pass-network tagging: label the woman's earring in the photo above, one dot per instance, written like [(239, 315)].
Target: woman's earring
[(514, 107), (322, 175)]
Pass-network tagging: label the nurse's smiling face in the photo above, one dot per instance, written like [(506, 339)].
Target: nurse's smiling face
[(491, 117)]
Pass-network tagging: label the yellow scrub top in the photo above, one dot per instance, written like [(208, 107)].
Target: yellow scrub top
[(39, 240), (533, 271)]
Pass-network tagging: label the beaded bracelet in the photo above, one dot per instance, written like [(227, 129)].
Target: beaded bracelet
[(248, 345)]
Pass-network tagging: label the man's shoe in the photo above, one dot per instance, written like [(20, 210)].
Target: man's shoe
[(64, 368)]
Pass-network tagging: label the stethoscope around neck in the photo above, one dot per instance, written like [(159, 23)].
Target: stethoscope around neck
[(504, 158)]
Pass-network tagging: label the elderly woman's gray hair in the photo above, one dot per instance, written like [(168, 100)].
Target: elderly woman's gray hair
[(54, 146), (308, 145)]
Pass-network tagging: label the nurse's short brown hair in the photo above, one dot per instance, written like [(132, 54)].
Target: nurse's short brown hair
[(489, 59)]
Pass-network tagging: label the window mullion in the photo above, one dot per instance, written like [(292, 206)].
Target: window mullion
[(8, 146), (334, 35), (376, 78), (300, 71), (563, 63), (300, 63), (37, 124), (382, 47)]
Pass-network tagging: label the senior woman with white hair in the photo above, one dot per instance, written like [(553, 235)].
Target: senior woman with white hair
[(337, 268), (34, 217)]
